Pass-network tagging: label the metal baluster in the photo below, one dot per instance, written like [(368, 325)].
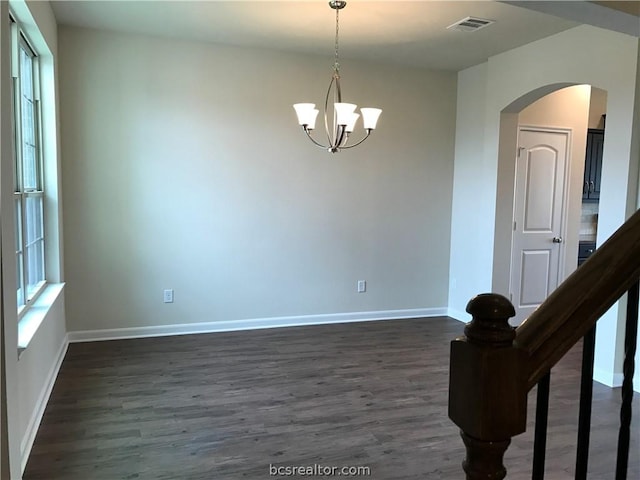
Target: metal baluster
[(540, 439), (586, 396), (630, 336)]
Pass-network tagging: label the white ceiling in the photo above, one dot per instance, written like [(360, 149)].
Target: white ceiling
[(404, 32)]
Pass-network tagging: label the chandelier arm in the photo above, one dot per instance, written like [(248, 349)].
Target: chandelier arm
[(332, 134), (326, 107), (356, 144), (308, 132), (342, 133)]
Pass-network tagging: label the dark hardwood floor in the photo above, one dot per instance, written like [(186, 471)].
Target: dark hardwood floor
[(227, 405)]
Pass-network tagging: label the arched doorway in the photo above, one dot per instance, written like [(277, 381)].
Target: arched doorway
[(539, 209)]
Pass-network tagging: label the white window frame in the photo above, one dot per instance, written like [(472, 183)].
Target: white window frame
[(27, 238)]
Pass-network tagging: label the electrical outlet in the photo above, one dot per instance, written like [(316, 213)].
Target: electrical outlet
[(168, 295), (362, 286)]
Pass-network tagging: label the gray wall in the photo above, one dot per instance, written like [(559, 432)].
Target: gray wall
[(184, 168)]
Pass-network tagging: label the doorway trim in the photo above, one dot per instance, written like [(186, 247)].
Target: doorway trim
[(507, 137)]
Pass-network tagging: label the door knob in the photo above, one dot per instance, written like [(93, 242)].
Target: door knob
[(557, 239)]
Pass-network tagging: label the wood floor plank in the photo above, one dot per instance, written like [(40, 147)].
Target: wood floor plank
[(227, 405)]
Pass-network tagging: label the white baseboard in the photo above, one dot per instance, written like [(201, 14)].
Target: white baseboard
[(458, 315), (250, 324), (610, 379), (41, 405)]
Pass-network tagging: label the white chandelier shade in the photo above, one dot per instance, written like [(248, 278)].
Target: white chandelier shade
[(307, 114), (370, 117), (344, 114)]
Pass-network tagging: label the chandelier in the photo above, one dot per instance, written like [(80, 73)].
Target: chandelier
[(344, 115)]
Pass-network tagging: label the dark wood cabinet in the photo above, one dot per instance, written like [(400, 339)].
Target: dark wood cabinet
[(585, 249), (593, 165)]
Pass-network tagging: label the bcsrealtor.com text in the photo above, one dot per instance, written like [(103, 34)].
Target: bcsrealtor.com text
[(316, 470)]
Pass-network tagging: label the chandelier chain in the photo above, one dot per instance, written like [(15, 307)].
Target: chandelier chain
[(336, 65)]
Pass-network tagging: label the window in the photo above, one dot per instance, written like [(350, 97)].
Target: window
[(29, 181)]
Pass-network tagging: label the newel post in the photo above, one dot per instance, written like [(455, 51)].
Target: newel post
[(487, 386)]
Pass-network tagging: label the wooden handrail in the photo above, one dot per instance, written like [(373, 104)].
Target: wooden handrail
[(577, 304), (493, 366)]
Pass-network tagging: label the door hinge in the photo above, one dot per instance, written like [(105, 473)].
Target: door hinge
[(520, 151), (514, 225), (511, 297)]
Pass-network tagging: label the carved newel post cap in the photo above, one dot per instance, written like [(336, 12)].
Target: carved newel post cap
[(490, 323)]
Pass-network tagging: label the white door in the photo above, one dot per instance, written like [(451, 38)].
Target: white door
[(538, 215)]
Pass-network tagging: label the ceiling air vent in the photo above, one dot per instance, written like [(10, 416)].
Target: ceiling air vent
[(470, 24)]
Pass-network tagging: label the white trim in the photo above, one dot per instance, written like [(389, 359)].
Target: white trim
[(250, 324), (610, 379), (41, 405), (34, 316), (458, 315)]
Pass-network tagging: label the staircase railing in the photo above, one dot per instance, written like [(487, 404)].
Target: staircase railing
[(494, 366)]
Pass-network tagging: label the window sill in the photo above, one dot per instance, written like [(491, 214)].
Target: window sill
[(33, 317)]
